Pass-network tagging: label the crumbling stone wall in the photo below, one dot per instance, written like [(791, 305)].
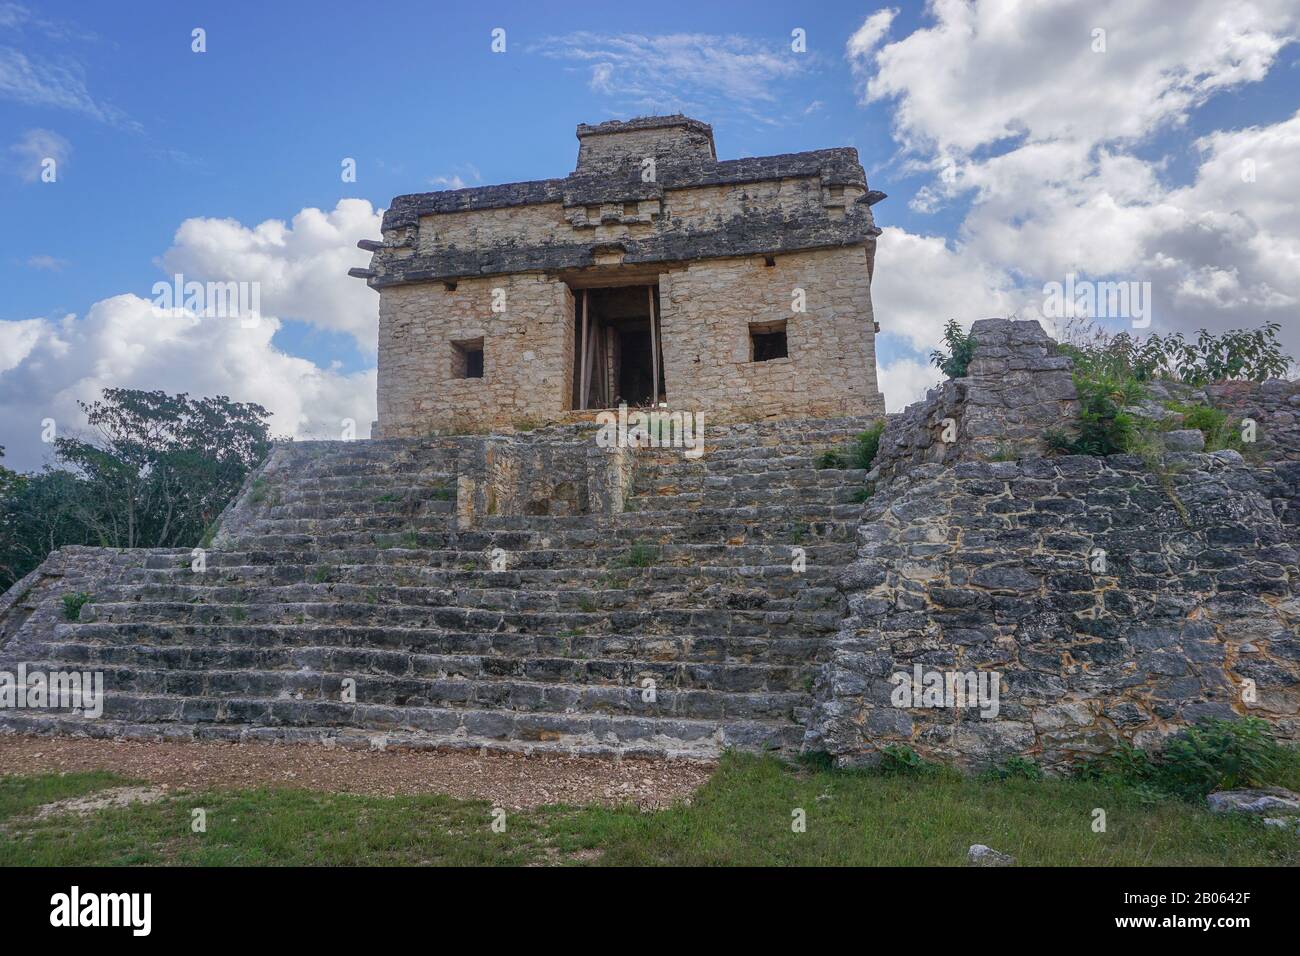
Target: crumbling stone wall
[(1113, 599), (1016, 388), (1273, 405), (565, 474), (1114, 603)]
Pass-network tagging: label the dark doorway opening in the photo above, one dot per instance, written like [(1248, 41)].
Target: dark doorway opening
[(621, 355), (634, 367)]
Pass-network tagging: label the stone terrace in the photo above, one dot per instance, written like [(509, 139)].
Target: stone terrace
[(352, 561)]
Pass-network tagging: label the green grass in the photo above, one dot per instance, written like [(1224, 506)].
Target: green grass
[(928, 816), (22, 795), (638, 556)]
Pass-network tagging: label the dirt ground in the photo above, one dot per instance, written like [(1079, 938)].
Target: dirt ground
[(514, 781)]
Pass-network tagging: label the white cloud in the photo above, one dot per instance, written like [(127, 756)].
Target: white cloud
[(302, 266), (706, 74), (46, 263), (33, 81), (17, 339), (862, 44), (906, 380), (920, 282), (46, 366), (1037, 132), (988, 71), (27, 156)]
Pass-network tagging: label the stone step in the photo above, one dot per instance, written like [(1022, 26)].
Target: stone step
[(805, 476), (327, 484), (371, 727), (433, 510), (674, 499), (715, 621), (389, 577), (479, 557), (311, 689), (720, 676), (794, 650), (796, 508), (791, 592), (513, 534)]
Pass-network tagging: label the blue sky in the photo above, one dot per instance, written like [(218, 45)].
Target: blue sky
[(1111, 163)]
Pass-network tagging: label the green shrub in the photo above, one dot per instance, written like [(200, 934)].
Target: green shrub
[(1212, 755), (1218, 755), (1104, 427), (830, 458), (1125, 763), (1212, 423), (867, 446), (900, 760), (1015, 768), (1239, 354), (961, 349), (73, 603), (639, 556), (862, 495)]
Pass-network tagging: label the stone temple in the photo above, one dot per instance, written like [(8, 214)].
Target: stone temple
[(486, 573), (653, 273)]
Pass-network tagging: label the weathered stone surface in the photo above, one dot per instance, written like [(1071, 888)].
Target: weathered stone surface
[(522, 592), (1111, 602), (518, 591), (1184, 439), (981, 855), (1258, 801), (724, 244), (1015, 389)]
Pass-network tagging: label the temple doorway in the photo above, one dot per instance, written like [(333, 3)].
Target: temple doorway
[(618, 347)]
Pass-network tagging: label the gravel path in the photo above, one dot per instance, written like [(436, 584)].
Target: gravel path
[(508, 780)]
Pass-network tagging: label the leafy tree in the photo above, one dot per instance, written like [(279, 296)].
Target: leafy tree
[(37, 515), (154, 470), (1239, 354), (160, 468)]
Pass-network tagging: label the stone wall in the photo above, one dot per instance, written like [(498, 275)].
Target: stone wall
[(709, 306), (566, 474), (700, 229), (1112, 599), (1114, 604), (1273, 405), (1016, 389), (527, 354)]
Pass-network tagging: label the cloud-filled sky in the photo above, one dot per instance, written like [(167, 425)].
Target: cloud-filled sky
[(1123, 140)]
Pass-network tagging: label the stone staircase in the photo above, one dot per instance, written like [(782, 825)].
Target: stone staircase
[(346, 601)]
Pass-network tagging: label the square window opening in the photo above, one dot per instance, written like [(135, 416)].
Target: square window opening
[(467, 358), (767, 341)]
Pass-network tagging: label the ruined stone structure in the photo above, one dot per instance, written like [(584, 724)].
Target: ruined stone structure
[(740, 289), (537, 590)]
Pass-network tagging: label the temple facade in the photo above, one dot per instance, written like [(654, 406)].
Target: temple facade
[(652, 274)]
